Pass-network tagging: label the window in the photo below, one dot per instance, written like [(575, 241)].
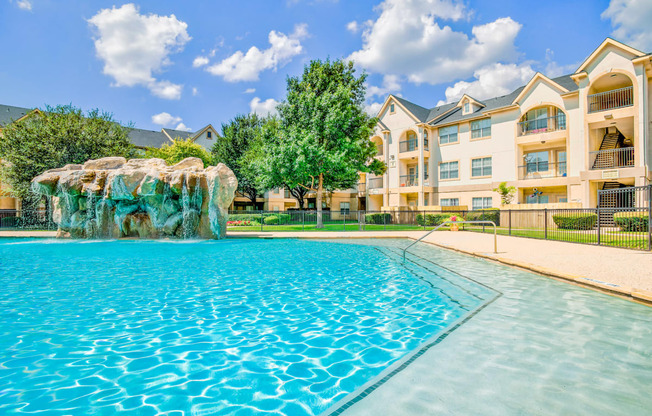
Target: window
[(391, 108), (481, 203), (425, 171), (561, 163), (448, 134), (449, 170), (425, 140), (536, 120), (345, 208), (209, 134), (537, 199), (467, 107), (450, 202), (536, 162), (481, 167), (481, 128), (411, 141)]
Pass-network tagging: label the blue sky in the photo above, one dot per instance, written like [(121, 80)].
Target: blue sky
[(186, 64)]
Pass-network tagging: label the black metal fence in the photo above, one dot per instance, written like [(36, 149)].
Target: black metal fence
[(12, 219)]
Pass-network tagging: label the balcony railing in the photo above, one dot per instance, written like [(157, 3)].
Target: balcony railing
[(609, 100), (409, 180), (408, 145), (361, 188), (375, 183), (612, 158), (380, 150), (542, 125), (539, 170)]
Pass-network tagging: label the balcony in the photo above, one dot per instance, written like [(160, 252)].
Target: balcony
[(379, 151), (409, 180), (610, 100), (541, 170), (612, 158), (361, 188), (408, 145), (375, 183), (542, 125)]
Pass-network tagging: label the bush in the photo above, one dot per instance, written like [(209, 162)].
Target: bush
[(242, 223), (431, 219), (488, 214), (631, 221), (378, 218), (271, 220), (279, 218), (9, 222), (577, 221)]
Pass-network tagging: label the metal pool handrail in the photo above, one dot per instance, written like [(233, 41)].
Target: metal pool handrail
[(455, 222)]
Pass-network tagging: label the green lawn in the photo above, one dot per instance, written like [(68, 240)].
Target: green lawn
[(632, 240)]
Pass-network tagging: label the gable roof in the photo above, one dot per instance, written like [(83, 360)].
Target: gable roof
[(174, 134), (148, 138), (540, 77), (9, 114), (452, 112), (609, 42)]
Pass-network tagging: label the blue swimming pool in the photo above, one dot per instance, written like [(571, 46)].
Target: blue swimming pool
[(279, 327)]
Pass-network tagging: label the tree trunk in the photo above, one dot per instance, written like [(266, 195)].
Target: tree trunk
[(320, 190)]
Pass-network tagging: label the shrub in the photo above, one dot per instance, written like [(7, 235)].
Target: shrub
[(378, 218), (577, 221), (244, 217), (271, 220), (431, 219), (488, 214), (241, 223), (631, 221)]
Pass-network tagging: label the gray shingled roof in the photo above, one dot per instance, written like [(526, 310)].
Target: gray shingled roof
[(9, 113), (148, 138), (178, 134), (439, 115)]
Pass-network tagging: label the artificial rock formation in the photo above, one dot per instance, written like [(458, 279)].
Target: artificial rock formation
[(146, 198)]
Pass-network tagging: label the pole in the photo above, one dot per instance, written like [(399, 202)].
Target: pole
[(303, 220), (262, 220), (649, 217), (545, 222), (509, 211)]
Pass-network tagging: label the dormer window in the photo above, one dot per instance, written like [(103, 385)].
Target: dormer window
[(391, 108), (209, 134), (467, 108)]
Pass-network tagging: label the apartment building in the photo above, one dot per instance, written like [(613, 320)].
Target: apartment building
[(558, 141)]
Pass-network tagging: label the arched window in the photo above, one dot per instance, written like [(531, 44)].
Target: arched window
[(542, 120)]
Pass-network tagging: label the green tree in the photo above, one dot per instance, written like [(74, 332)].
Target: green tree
[(322, 140), (55, 137), (238, 148), (179, 150), (506, 193)]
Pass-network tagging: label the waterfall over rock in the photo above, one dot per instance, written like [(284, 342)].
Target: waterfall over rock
[(114, 197)]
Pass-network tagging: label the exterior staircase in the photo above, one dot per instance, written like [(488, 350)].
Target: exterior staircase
[(610, 141), (609, 201)]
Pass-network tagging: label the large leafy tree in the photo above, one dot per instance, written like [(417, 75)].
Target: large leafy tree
[(237, 149), (55, 137), (179, 150), (322, 141)]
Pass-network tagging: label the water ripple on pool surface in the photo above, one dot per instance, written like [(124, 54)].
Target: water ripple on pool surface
[(210, 328)]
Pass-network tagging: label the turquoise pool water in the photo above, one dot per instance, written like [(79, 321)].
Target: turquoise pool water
[(279, 327)]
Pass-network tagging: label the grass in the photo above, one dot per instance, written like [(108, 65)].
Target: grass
[(633, 240)]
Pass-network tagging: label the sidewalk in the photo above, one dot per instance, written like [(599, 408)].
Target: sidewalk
[(624, 272)]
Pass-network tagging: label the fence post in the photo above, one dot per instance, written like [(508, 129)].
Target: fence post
[(384, 221), (262, 220), (597, 210), (424, 220), (303, 220), (649, 217), (509, 211), (545, 223), (344, 220)]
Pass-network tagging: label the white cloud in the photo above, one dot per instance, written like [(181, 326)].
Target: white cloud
[(407, 39), (491, 81), (250, 91), (390, 84), (373, 109), (195, 91), (631, 22), (24, 4), (248, 66), (353, 27), (165, 119), (553, 69), (135, 46), (263, 108), (200, 61), (182, 127)]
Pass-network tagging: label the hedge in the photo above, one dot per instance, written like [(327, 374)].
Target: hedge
[(631, 221), (488, 214), (378, 218), (432, 219), (279, 218), (575, 221)]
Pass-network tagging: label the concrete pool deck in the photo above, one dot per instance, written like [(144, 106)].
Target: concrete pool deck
[(618, 271)]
